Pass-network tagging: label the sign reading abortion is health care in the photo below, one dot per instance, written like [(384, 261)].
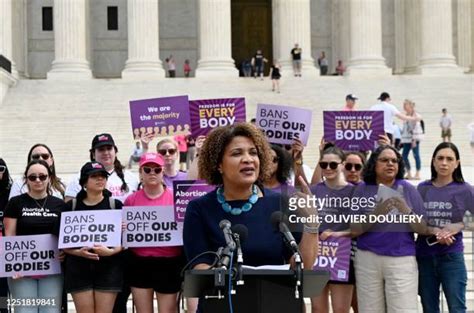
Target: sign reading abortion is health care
[(160, 116), (185, 191), (211, 113), (283, 124), (353, 130), (88, 228), (334, 256), (151, 226), (29, 255)]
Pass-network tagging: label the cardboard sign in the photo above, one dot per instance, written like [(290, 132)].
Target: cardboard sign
[(334, 256)]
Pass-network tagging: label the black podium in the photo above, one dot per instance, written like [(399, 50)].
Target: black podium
[(264, 290)]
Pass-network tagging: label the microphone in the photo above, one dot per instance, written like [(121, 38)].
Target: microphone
[(228, 236), (278, 221), (240, 235)]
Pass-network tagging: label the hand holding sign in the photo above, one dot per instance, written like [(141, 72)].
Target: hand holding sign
[(105, 251)]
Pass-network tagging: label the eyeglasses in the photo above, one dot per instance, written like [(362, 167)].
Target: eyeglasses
[(33, 178), (164, 151), (388, 160), (44, 156), (276, 159), (3, 168), (350, 166), (148, 170), (332, 165)]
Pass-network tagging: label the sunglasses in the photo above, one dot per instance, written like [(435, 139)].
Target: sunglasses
[(332, 165), (41, 177), (350, 166), (164, 151), (388, 160), (3, 168), (148, 170), (44, 156), (276, 159)]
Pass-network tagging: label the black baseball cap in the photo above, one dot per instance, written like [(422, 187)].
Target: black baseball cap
[(91, 168), (352, 97), (383, 96), (102, 140)]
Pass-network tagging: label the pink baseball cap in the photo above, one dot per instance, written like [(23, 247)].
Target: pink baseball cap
[(153, 158)]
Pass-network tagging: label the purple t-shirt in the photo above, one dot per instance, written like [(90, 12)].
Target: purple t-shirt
[(284, 188), (388, 239), (168, 180), (444, 205), (332, 203)]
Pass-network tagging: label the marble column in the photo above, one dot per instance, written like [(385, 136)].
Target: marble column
[(143, 41), (293, 18), (215, 44), (412, 36), (7, 79), (70, 40), (20, 47), (340, 36), (366, 39), (400, 43), (436, 39), (464, 33), (472, 38)]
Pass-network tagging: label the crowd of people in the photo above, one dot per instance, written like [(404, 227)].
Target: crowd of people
[(388, 268)]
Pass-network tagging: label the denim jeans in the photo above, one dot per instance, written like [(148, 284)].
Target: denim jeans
[(449, 271), (49, 287), (416, 154)]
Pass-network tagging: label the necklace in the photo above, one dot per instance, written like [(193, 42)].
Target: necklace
[(39, 205), (237, 211)]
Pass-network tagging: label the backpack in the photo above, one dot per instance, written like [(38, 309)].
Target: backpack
[(111, 203), (422, 123)]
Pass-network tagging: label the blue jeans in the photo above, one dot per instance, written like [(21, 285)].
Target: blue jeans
[(449, 271), (416, 154), (49, 287)]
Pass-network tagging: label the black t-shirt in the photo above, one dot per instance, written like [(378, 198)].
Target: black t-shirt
[(3, 204), (34, 217), (296, 53), (258, 59), (103, 205)]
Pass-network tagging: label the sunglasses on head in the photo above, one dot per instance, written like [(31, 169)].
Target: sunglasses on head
[(44, 156), (148, 170), (350, 166), (41, 177), (332, 165), (3, 168), (164, 151)]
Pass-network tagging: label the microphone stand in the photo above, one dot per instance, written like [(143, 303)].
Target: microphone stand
[(240, 261), (299, 272)]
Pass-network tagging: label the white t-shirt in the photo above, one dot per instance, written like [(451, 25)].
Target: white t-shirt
[(114, 184), (19, 187), (445, 121), (389, 111)]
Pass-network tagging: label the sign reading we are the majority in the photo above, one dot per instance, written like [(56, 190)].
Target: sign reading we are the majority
[(88, 228), (334, 256), (151, 226), (29, 255), (160, 116), (283, 124), (353, 130), (211, 113)]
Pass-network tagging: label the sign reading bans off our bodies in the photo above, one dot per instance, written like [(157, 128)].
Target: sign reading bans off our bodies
[(88, 228), (29, 255), (334, 256), (283, 124), (151, 226)]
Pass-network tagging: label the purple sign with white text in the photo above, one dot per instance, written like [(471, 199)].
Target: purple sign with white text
[(29, 255), (185, 191), (160, 116), (88, 228), (353, 130), (334, 256), (211, 113), (151, 226), (283, 124)]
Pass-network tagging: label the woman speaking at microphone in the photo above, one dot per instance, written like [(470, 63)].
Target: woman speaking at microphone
[(154, 269), (236, 159)]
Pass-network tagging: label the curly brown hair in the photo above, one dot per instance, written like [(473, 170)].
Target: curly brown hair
[(213, 149)]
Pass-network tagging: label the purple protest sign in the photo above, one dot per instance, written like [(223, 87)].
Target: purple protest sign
[(334, 256), (353, 130), (87, 228), (185, 191), (160, 116), (29, 255), (151, 226), (283, 124), (211, 113)]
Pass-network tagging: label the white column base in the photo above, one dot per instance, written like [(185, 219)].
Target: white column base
[(440, 70), (70, 70), (216, 68), (142, 70), (308, 69), (6, 81)]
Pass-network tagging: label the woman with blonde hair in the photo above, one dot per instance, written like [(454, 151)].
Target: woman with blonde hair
[(412, 134)]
